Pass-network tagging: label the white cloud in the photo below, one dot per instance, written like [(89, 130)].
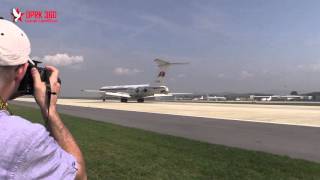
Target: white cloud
[(125, 71), (310, 67), (62, 59), (245, 74)]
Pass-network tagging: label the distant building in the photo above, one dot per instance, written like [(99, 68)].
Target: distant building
[(315, 96)]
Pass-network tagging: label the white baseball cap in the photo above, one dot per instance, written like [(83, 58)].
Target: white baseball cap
[(15, 46)]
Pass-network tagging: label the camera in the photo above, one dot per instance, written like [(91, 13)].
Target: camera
[(26, 85)]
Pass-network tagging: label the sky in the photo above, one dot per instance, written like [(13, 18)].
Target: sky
[(269, 46)]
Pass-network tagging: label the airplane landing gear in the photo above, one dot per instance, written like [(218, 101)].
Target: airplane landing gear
[(140, 100), (124, 100)]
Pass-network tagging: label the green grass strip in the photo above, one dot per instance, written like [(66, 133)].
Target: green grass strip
[(116, 152)]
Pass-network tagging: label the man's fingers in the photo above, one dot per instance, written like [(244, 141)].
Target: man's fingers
[(54, 73), (36, 76)]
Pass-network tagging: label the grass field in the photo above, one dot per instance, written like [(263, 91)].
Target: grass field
[(115, 152)]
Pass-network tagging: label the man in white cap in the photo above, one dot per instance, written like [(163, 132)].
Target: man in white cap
[(27, 149)]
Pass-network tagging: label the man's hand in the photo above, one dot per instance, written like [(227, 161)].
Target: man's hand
[(40, 89), (58, 130)]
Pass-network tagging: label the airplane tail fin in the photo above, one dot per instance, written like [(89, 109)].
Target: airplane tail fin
[(163, 68)]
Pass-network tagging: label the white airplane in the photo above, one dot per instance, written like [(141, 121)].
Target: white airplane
[(216, 98), (262, 98), (292, 97), (141, 91), (210, 98), (278, 97)]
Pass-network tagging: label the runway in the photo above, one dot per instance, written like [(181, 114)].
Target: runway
[(277, 114), (294, 141)]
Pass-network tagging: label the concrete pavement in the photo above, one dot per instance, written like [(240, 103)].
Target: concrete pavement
[(294, 141)]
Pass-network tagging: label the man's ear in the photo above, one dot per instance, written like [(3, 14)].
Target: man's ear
[(21, 71)]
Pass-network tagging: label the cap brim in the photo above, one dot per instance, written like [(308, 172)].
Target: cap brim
[(30, 61)]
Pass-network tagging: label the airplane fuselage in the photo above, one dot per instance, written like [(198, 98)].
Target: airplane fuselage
[(137, 91)]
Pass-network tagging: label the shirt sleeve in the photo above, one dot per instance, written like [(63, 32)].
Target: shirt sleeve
[(45, 159)]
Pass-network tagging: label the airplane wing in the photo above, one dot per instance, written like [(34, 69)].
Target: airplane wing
[(116, 94), (172, 94), (93, 91), (161, 62), (167, 95), (158, 95)]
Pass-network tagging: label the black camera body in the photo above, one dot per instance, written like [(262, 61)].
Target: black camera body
[(26, 85)]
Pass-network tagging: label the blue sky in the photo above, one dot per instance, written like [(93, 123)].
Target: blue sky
[(232, 46)]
